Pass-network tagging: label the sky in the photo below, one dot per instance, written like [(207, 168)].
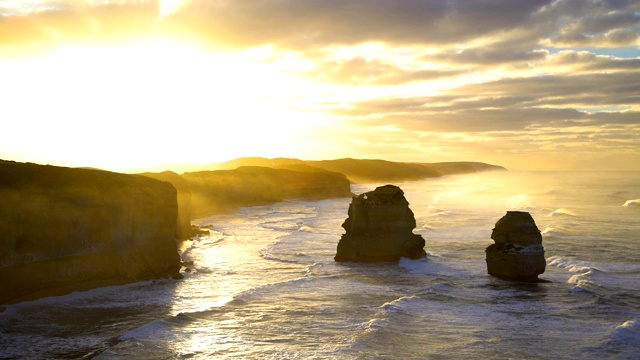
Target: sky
[(128, 84)]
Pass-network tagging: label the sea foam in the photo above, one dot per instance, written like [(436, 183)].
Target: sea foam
[(146, 331), (628, 333), (562, 212), (634, 202)]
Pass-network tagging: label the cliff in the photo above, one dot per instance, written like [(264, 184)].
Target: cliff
[(183, 224), (380, 228), (462, 167), (368, 171), (226, 190), (64, 229)]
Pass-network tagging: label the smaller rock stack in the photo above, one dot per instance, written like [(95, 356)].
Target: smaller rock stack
[(518, 253), (379, 228)]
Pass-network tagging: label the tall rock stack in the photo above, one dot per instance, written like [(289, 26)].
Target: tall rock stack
[(379, 228), (518, 253)]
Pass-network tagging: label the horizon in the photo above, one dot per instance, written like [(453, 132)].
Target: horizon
[(124, 85)]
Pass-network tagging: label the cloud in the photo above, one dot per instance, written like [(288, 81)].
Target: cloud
[(499, 76), (360, 71), (303, 24), (590, 62), (72, 22), (460, 28), (604, 85), (591, 23), (476, 120), (488, 56)]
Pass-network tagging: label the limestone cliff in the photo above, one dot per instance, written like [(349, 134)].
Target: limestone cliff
[(183, 230), (518, 253), (64, 229), (366, 170), (225, 190), (379, 228)]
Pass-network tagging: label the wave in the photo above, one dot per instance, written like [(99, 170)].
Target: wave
[(594, 276), (438, 212), (574, 265), (268, 253), (145, 331), (562, 212), (398, 305), (628, 333), (306, 228), (556, 230), (588, 279), (579, 289), (634, 202)]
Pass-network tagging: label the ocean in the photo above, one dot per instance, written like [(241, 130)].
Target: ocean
[(264, 285)]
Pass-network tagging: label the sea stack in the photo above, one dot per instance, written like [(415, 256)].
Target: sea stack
[(379, 228), (518, 253)]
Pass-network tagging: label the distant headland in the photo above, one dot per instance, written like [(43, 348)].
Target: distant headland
[(67, 229), (356, 170)]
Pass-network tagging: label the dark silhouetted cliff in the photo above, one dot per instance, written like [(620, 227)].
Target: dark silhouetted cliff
[(64, 229), (368, 171), (183, 230)]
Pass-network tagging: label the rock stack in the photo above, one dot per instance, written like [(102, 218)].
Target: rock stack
[(518, 253), (379, 228)]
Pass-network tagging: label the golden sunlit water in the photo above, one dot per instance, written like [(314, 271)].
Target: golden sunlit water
[(264, 283), (547, 89)]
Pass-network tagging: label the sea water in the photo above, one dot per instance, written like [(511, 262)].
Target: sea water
[(263, 284)]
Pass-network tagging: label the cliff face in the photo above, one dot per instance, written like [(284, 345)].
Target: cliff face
[(226, 190), (379, 228), (369, 171), (183, 230), (63, 228)]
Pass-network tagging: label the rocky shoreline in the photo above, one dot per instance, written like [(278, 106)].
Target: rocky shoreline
[(70, 229)]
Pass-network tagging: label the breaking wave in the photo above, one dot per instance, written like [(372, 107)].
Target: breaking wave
[(628, 333), (634, 202), (556, 230), (562, 212)]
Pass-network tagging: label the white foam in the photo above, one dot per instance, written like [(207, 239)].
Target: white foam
[(604, 276), (145, 331), (306, 228), (571, 265), (580, 289), (634, 202), (587, 278), (426, 227), (562, 212), (398, 304), (578, 266), (628, 333), (556, 230), (439, 212)]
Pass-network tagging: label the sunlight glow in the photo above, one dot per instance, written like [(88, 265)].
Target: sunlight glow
[(167, 7), (164, 102)]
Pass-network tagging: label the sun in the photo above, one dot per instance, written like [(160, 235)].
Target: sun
[(149, 103)]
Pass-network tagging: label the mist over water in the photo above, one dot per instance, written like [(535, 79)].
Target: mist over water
[(264, 284)]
